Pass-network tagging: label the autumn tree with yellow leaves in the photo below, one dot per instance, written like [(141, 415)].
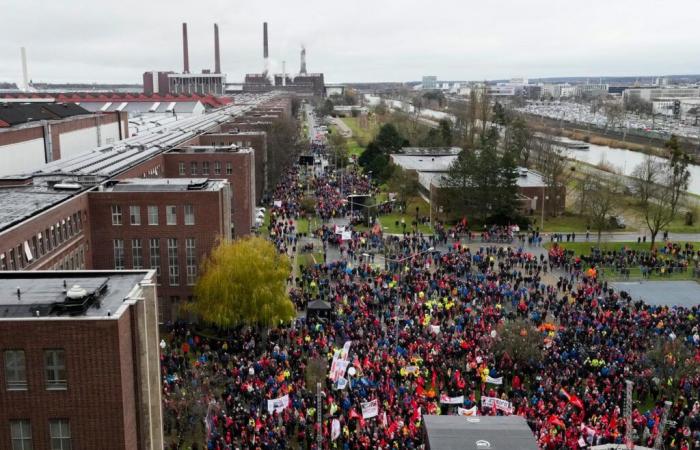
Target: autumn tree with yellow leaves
[(243, 282)]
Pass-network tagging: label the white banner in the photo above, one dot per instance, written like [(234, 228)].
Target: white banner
[(498, 380), (467, 412), (370, 409), (339, 369), (278, 404), (345, 352), (277, 203), (435, 329), (342, 383), (412, 369), (451, 400), (335, 429), (346, 235), (501, 405)]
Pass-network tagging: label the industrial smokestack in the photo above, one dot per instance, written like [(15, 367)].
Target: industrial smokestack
[(265, 51), (25, 76), (217, 58), (284, 73), (302, 71), (185, 52)]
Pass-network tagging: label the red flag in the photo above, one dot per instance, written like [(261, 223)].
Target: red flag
[(574, 400), (353, 414), (556, 421)]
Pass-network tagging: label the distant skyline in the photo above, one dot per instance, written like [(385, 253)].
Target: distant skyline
[(360, 41)]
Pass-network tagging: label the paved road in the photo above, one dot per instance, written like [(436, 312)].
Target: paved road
[(345, 131)]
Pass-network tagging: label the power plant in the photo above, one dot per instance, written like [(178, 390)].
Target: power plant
[(206, 82), (306, 84)]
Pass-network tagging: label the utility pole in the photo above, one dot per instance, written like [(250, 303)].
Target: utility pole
[(662, 426), (628, 413), (319, 414)]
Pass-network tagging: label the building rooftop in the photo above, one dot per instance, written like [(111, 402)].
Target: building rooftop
[(22, 197), (430, 151), (232, 148), (54, 295), (165, 185), (479, 433), (35, 192), (12, 114), (421, 163)]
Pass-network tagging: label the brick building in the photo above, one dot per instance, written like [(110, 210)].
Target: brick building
[(80, 361), (34, 134), (168, 225), (60, 218)]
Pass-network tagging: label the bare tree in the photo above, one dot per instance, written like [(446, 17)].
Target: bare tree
[(602, 203), (645, 177), (552, 162), (658, 211)]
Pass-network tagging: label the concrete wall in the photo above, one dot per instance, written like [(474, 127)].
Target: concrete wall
[(22, 157)]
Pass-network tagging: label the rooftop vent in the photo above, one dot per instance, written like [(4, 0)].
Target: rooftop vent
[(67, 186)]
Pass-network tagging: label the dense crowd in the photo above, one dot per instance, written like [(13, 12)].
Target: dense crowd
[(427, 325)]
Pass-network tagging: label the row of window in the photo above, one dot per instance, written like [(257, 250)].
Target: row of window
[(153, 215), (54, 370), (59, 434), (75, 260), (137, 258), (194, 168), (41, 244)]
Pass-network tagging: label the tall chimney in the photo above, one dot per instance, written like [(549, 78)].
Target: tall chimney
[(25, 76), (185, 52), (217, 58), (265, 51), (302, 71), (284, 73)]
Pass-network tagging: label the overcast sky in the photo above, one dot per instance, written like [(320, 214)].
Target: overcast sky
[(355, 40)]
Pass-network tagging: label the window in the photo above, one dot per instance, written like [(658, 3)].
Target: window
[(3, 262), (171, 215), (193, 168), (21, 434), (229, 168), (173, 268), (189, 215), (153, 215), (154, 248), (205, 167), (181, 168), (217, 168), (116, 215), (191, 261), (35, 247), (15, 370), (119, 254), (137, 254), (40, 240), (13, 266), (47, 237), (55, 361), (59, 430), (135, 215), (20, 257)]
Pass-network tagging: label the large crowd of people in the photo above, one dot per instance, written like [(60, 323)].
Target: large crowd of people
[(422, 330)]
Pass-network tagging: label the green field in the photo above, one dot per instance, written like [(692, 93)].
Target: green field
[(362, 135), (565, 223), (580, 247)]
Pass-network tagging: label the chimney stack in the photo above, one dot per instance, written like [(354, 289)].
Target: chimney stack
[(185, 52), (217, 58), (302, 71), (265, 52), (284, 73), (25, 76)]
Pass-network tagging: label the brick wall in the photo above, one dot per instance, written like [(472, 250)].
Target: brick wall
[(94, 363), (208, 228)]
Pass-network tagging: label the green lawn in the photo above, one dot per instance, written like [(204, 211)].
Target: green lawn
[(636, 274), (389, 221), (303, 224), (565, 223), (581, 248), (362, 135), (309, 259), (354, 149)]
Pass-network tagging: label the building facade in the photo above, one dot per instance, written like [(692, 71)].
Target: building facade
[(80, 361)]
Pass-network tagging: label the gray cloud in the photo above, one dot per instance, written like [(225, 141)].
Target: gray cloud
[(360, 40)]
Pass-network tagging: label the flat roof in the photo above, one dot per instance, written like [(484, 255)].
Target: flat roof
[(233, 148), (662, 293), (45, 292), (165, 185), (430, 151), (479, 433), (424, 163)]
